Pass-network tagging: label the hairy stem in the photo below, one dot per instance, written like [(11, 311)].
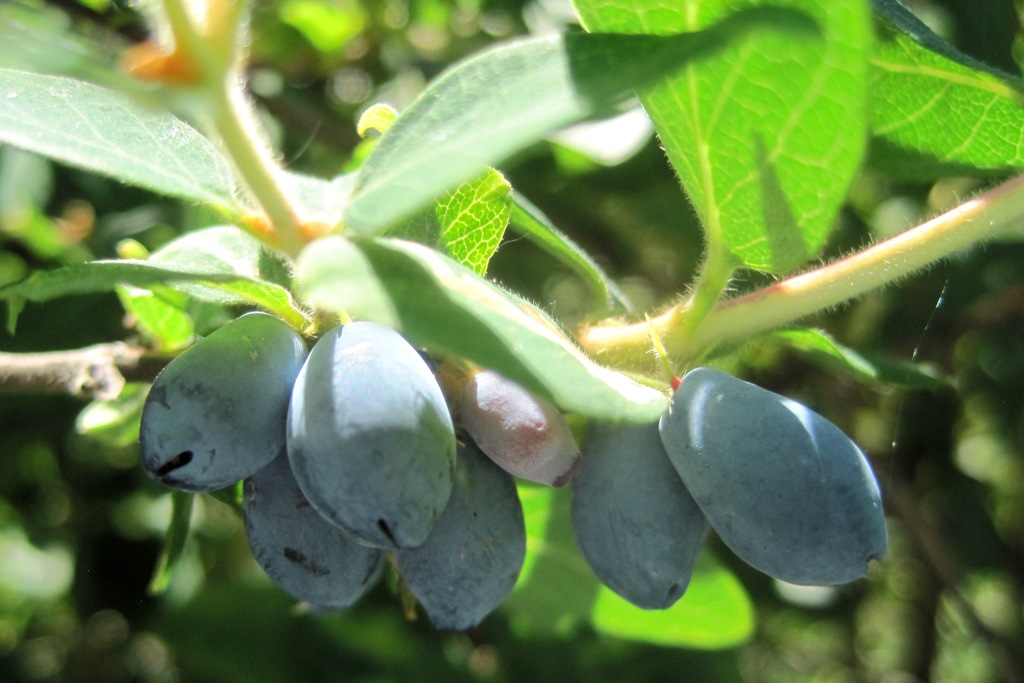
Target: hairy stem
[(214, 45), (735, 320), (186, 38), (715, 274), (242, 139)]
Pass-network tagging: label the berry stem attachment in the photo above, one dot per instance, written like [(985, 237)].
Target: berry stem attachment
[(664, 362)]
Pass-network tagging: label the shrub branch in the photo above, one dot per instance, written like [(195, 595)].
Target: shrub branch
[(98, 371), (732, 321)]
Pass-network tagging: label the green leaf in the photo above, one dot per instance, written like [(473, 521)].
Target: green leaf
[(26, 185), (104, 131), (936, 111), (159, 313), (42, 38), (230, 496), (377, 117), (442, 305), (323, 199), (901, 19), (328, 24), (820, 348), (467, 223), (104, 276), (174, 542), (26, 182), (556, 589), (224, 249), (15, 305), (538, 228), (608, 142), (473, 218), (335, 275), (474, 115), (714, 613), (231, 251), (767, 135), (114, 421)]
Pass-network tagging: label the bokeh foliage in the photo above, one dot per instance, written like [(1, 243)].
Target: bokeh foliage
[(81, 528)]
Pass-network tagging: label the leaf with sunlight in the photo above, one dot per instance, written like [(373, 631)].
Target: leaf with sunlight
[(444, 306), (473, 218), (936, 111), (106, 132), (766, 134), (715, 612), (474, 116)]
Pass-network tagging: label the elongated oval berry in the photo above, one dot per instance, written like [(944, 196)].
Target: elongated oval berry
[(216, 414), (638, 527), (525, 435), (782, 486), (369, 436), (473, 556), (303, 553)]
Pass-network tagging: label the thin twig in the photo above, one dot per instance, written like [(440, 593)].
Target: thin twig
[(98, 371)]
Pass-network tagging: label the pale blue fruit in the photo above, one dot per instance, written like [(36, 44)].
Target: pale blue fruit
[(216, 413), (638, 527), (300, 551), (782, 486), (473, 556), (369, 436)]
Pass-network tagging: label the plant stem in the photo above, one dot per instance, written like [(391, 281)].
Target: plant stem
[(215, 48), (715, 273), (735, 320), (98, 371), (242, 139), (186, 38)]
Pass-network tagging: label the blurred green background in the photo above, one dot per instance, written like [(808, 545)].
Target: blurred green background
[(81, 526)]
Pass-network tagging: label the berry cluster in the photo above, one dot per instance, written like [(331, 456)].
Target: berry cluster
[(348, 452), (782, 486)]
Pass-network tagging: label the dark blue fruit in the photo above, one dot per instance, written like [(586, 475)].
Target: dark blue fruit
[(525, 435), (472, 558), (216, 414), (782, 486), (303, 553), (638, 527), (369, 436)]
